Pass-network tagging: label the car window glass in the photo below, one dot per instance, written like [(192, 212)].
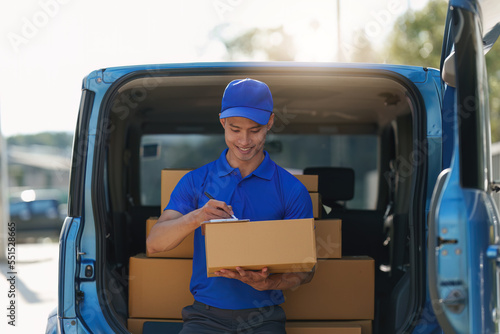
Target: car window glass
[(292, 152)]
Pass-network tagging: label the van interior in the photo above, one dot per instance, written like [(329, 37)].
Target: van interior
[(358, 130)]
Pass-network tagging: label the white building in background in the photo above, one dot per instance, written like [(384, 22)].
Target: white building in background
[(495, 160), (38, 167)]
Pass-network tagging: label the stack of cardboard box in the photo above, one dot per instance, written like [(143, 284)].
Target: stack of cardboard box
[(158, 288), (159, 282), (170, 178), (339, 299)]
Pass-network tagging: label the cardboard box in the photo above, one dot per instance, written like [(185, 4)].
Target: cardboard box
[(310, 327), (341, 289), (134, 325), (324, 330), (169, 179), (317, 206), (280, 245), (329, 239), (183, 251), (310, 181), (158, 288), (311, 184)]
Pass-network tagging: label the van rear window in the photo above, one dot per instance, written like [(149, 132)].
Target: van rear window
[(290, 151)]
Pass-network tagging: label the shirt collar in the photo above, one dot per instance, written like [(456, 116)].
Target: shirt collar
[(264, 171), (223, 167)]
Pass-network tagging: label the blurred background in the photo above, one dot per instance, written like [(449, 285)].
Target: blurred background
[(48, 46)]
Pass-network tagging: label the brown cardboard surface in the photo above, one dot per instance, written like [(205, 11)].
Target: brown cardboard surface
[(280, 245), (323, 330), (309, 181), (169, 179), (329, 238), (134, 325), (341, 289), (296, 327), (317, 206), (158, 288), (183, 251)]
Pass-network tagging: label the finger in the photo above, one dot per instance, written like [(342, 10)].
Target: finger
[(213, 212), (263, 273), (227, 274), (218, 213), (227, 209), (223, 210), (242, 272), (223, 207)]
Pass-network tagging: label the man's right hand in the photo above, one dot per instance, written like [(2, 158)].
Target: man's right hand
[(172, 226), (213, 209)]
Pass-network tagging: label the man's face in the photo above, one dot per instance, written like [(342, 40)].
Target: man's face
[(245, 138)]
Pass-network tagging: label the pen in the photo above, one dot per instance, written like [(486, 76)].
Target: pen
[(211, 197)]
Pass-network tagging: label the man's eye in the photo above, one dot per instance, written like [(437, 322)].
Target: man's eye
[(235, 131), (255, 131)]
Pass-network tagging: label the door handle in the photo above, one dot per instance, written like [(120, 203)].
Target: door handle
[(455, 301)]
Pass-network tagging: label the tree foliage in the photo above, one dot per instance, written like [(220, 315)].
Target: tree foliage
[(417, 39), (260, 44)]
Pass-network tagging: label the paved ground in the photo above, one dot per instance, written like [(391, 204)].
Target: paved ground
[(35, 290)]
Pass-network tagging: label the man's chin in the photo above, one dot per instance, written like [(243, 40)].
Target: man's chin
[(244, 157)]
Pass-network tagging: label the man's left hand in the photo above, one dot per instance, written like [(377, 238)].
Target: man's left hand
[(259, 280)]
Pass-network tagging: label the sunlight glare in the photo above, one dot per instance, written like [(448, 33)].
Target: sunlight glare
[(314, 44), (28, 195)]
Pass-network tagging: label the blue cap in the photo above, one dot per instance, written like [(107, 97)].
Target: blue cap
[(247, 98)]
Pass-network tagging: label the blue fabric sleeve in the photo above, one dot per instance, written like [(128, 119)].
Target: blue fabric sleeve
[(298, 203), (183, 198)]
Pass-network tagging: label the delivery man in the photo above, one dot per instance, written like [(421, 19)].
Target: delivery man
[(245, 182)]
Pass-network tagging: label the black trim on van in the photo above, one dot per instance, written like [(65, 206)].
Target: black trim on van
[(471, 127), (79, 156), (416, 220)]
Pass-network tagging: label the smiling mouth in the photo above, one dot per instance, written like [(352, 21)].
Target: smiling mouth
[(244, 149)]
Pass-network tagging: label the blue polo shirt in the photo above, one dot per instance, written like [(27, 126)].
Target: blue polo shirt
[(269, 193)]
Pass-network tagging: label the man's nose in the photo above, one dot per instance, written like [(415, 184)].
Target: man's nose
[(244, 138)]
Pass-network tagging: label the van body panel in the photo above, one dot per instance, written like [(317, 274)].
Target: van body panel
[(110, 75), (463, 221), (67, 268), (423, 94)]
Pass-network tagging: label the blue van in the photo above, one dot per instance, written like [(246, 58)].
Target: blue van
[(416, 139)]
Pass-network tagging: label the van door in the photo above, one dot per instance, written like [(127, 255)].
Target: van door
[(463, 235)]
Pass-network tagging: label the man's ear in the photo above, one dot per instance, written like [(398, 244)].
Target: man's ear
[(222, 121), (270, 122)]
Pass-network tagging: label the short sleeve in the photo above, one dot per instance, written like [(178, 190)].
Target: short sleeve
[(299, 204), (183, 198)]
